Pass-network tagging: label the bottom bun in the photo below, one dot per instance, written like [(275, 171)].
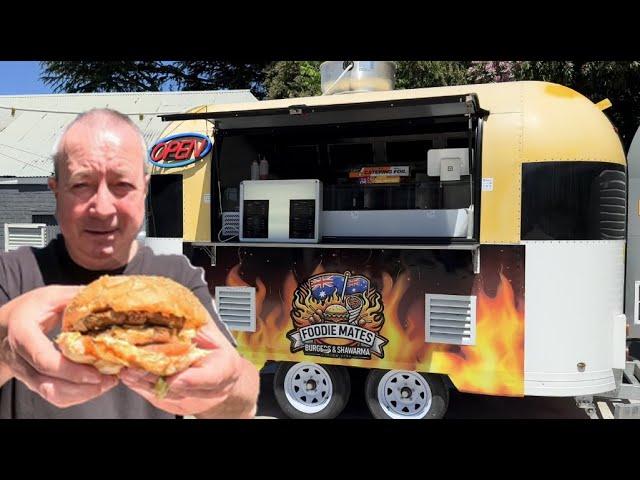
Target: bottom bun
[(110, 355)]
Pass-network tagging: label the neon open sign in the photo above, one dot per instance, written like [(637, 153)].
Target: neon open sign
[(179, 150)]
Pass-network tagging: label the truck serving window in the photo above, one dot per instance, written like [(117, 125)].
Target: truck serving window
[(399, 171), (573, 201), (371, 174)]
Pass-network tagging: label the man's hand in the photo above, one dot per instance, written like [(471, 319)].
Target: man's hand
[(33, 359), (221, 385)]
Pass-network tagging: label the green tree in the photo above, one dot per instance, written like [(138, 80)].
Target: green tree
[(564, 73), (299, 79), (422, 74), (85, 77), (618, 81), (216, 75), (292, 79), (140, 76)]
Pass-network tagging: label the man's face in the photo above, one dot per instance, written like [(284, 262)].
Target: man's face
[(100, 193)]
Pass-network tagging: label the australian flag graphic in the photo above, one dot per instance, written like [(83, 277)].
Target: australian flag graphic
[(325, 285)]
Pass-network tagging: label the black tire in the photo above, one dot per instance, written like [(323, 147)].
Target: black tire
[(439, 394), (341, 387)]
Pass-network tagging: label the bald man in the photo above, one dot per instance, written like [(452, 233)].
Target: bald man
[(100, 183)]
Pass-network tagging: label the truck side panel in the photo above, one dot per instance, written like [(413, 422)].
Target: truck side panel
[(309, 308)]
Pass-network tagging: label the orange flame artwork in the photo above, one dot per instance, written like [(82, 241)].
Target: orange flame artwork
[(382, 324)]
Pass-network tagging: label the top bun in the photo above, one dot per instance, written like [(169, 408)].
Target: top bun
[(135, 293)]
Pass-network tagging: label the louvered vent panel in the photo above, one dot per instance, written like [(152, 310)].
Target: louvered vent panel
[(237, 307), (450, 319)]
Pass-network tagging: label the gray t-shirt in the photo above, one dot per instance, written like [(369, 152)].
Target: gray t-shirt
[(27, 268)]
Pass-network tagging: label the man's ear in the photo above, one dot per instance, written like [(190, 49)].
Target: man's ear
[(53, 185), (147, 177)]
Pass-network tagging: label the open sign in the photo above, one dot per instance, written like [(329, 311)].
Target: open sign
[(179, 150)]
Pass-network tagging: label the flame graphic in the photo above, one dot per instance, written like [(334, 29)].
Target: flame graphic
[(494, 365)]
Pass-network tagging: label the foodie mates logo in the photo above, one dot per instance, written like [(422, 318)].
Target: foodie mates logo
[(337, 315)]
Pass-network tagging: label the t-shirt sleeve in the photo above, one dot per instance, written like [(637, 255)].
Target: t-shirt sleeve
[(4, 282), (194, 280), (12, 273), (19, 273)]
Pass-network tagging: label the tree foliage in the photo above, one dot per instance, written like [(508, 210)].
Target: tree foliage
[(145, 76), (617, 81), (293, 79), (422, 74), (86, 77), (217, 75)]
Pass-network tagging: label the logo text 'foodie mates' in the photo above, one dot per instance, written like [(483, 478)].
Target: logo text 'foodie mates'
[(179, 150), (337, 315)]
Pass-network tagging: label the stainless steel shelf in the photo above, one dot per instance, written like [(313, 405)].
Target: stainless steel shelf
[(462, 246)]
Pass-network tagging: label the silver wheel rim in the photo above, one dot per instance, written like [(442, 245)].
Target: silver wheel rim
[(404, 395), (308, 387)]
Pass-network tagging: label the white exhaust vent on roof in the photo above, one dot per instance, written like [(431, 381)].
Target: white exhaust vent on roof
[(237, 307), (18, 235), (450, 319), (351, 76)]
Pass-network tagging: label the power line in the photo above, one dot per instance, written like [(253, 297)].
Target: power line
[(26, 151), (26, 163)]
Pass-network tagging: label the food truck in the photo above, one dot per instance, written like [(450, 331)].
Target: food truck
[(632, 289), (468, 237)]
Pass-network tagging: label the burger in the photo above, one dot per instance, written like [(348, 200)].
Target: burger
[(139, 321), (336, 313)]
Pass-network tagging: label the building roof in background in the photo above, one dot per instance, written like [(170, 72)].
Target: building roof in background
[(28, 134)]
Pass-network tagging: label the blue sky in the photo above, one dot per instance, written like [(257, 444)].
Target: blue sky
[(18, 78), (21, 78)]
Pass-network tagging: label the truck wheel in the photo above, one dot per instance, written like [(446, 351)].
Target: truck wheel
[(309, 390), (401, 394)]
